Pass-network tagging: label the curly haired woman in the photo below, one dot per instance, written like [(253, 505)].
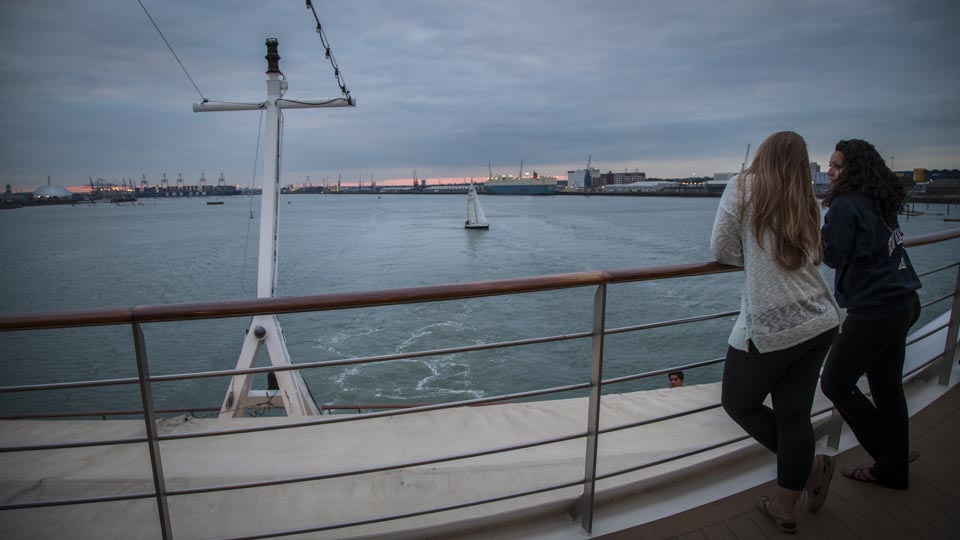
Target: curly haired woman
[(769, 223), (876, 283)]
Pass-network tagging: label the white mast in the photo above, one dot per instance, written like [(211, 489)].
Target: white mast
[(265, 329)]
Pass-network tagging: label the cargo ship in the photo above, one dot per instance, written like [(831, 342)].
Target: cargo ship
[(521, 185)]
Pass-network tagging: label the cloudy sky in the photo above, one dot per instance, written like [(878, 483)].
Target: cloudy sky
[(672, 88)]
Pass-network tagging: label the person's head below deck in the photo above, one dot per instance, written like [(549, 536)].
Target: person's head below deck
[(676, 378)]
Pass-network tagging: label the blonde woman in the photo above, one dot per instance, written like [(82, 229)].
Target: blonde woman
[(769, 224)]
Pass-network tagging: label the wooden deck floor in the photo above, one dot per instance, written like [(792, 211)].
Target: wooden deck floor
[(930, 509)]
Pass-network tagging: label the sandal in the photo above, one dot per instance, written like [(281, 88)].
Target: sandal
[(819, 483), (862, 474), (866, 474), (783, 523)]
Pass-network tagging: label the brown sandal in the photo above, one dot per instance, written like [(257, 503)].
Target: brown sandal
[(861, 474)]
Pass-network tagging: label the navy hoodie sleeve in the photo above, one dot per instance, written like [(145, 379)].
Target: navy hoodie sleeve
[(844, 234), (874, 277)]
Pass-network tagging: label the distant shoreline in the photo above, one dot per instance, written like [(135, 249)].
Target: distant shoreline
[(690, 193), (911, 199), (929, 199)]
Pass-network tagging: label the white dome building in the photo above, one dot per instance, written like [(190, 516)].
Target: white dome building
[(52, 192)]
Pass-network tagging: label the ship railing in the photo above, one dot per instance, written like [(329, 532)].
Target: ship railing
[(581, 509)]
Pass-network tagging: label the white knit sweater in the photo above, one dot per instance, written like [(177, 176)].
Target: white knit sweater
[(779, 308)]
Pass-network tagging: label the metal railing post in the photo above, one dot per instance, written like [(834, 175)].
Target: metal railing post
[(950, 349), (582, 509), (153, 441)]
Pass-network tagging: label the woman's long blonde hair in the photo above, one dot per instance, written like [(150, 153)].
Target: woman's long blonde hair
[(782, 200)]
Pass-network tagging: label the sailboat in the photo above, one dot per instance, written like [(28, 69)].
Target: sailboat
[(475, 217)]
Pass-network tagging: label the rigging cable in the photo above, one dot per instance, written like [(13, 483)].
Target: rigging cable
[(276, 203), (172, 51), (327, 102), (329, 54), (246, 238)]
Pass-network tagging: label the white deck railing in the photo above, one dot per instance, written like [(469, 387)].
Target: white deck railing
[(589, 431)]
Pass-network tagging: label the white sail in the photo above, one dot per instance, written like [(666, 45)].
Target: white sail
[(475, 216)]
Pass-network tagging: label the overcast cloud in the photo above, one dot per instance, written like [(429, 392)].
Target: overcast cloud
[(446, 87)]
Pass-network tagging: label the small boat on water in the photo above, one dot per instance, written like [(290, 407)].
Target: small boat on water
[(475, 216)]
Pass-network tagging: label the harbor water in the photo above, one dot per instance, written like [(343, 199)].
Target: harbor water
[(161, 251)]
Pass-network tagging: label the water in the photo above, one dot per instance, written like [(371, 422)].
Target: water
[(169, 251)]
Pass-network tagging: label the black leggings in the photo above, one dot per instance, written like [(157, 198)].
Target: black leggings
[(882, 426), (789, 376)]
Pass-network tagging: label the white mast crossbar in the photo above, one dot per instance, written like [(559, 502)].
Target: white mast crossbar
[(210, 106), (265, 330)]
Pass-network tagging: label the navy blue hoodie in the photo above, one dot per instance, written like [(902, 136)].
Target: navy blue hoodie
[(874, 277)]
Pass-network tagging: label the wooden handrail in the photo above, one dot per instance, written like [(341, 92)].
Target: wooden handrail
[(360, 299), (931, 238)]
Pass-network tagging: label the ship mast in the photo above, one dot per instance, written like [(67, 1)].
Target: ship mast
[(265, 330)]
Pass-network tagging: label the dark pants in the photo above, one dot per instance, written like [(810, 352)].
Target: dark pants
[(789, 376), (874, 348)]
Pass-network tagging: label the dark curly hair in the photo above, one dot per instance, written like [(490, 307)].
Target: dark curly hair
[(864, 171)]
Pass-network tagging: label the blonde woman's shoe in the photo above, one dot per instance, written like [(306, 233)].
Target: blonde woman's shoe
[(784, 524), (819, 483)]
